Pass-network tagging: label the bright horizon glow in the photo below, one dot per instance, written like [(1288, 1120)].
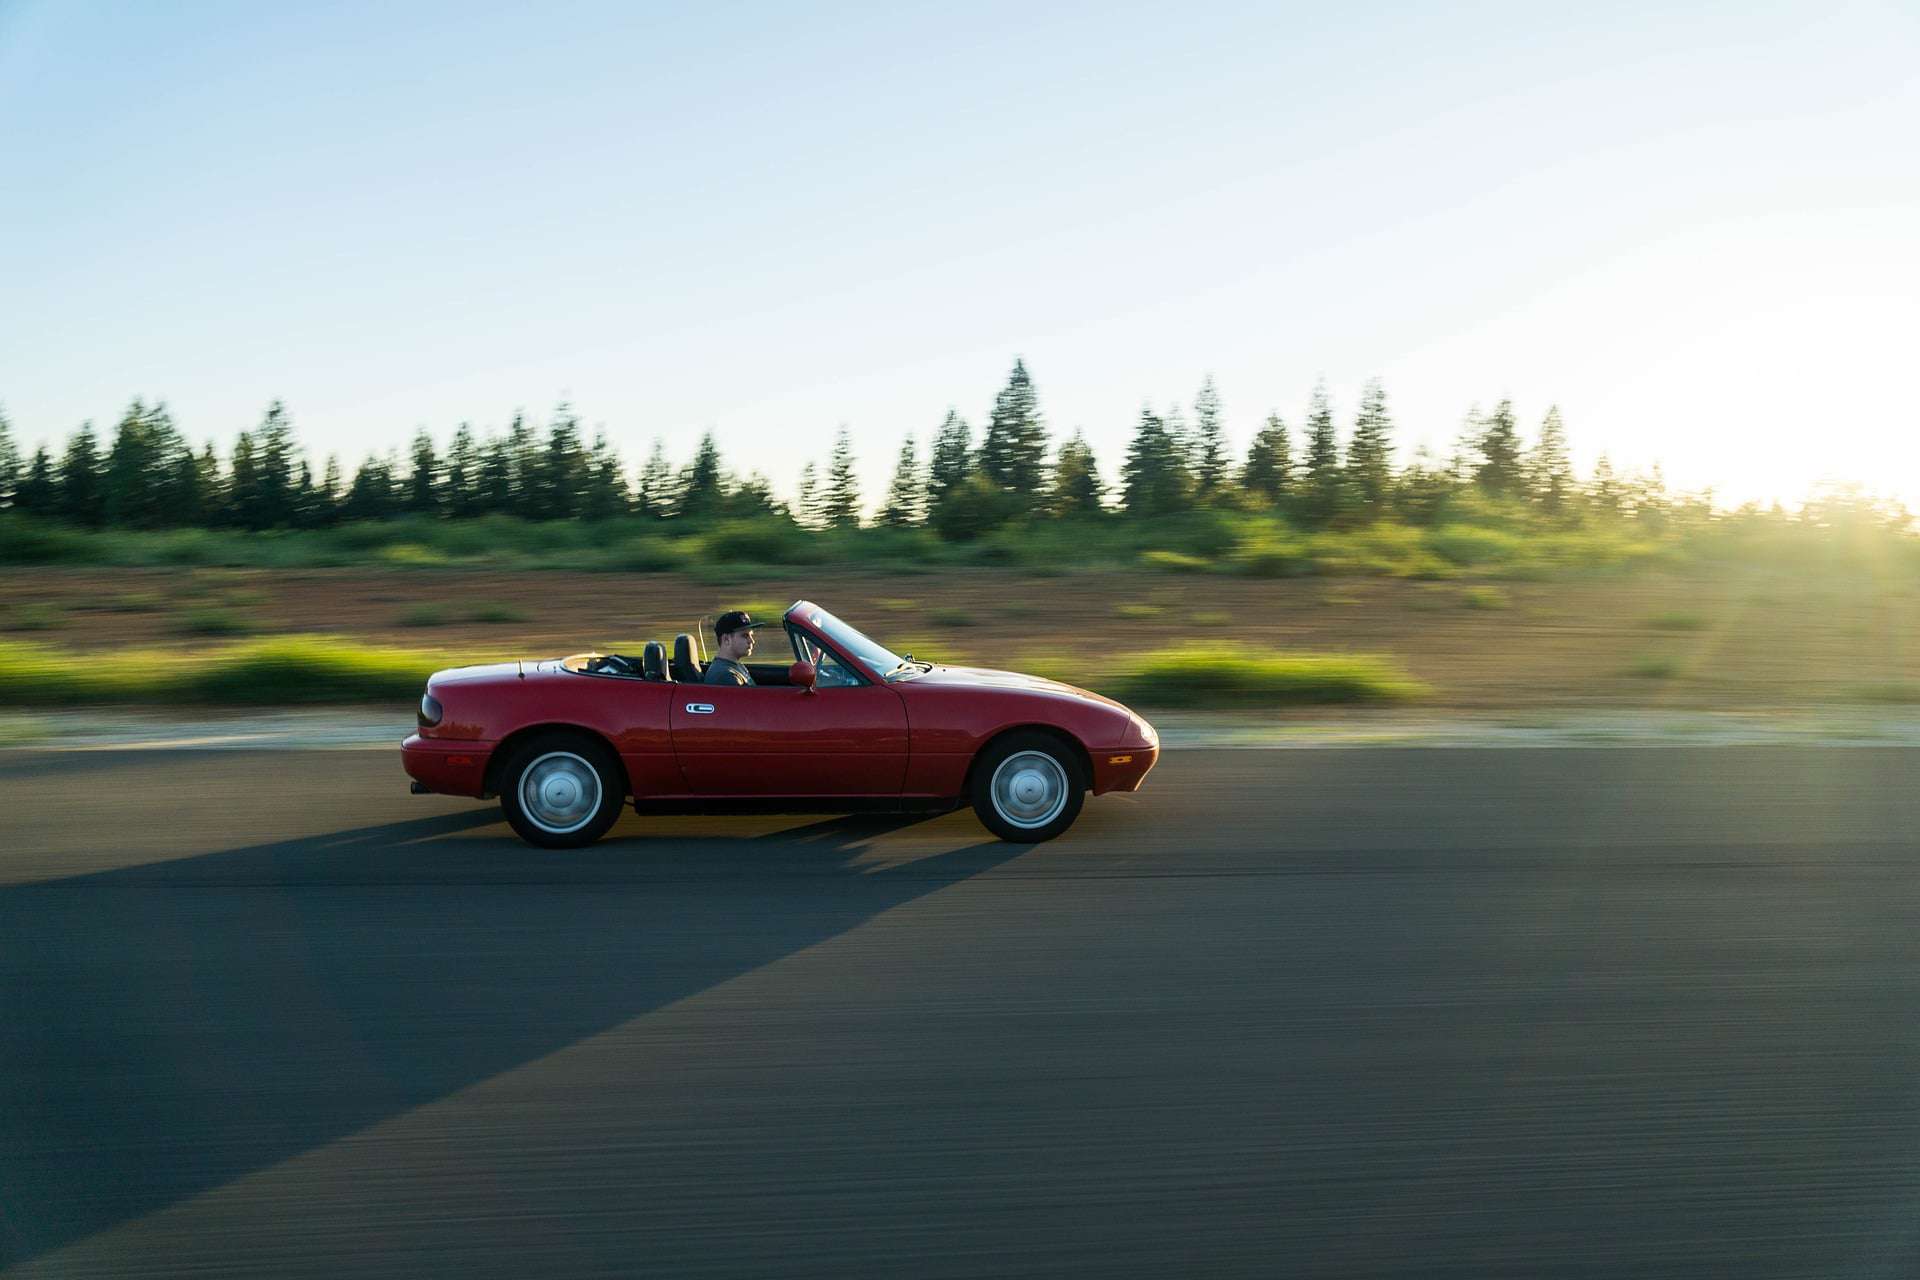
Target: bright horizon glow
[(1691, 229)]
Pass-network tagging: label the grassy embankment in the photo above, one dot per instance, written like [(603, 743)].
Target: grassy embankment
[(270, 672), (1464, 557), (321, 669), (1208, 541)]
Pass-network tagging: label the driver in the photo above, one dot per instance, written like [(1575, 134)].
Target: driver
[(734, 631)]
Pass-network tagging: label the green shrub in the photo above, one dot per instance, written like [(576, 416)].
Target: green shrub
[(424, 615), (1204, 675), (951, 617), (35, 617), (27, 541), (495, 613), (1654, 666), (209, 621), (1484, 598), (1137, 609), (1174, 561), (1677, 620), (134, 602), (1891, 691), (1475, 545), (1271, 557), (763, 542)]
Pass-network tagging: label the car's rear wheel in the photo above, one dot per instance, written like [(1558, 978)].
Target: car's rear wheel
[(1028, 787), (562, 790)]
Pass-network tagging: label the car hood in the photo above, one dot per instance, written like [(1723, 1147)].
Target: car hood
[(490, 671), (987, 678)]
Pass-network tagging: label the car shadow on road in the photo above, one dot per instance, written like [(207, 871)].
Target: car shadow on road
[(176, 1025)]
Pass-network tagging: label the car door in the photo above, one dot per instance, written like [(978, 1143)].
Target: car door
[(782, 740)]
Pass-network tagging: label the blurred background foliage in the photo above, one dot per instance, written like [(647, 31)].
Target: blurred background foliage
[(1297, 501)]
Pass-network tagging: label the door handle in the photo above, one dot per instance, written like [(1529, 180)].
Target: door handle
[(700, 708)]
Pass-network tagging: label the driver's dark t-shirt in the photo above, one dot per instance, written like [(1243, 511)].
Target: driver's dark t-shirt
[(726, 671)]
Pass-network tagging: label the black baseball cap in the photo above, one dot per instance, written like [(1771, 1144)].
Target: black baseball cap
[(734, 620)]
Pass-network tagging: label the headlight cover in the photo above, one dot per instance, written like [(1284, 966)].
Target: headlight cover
[(431, 713)]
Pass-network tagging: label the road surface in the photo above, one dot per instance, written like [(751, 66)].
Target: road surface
[(1416, 1012)]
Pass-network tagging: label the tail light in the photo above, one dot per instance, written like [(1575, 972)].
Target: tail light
[(430, 711)]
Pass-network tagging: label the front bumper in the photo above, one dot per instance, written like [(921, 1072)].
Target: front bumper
[(449, 767), (1122, 768)]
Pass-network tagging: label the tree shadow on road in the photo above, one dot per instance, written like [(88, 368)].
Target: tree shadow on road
[(174, 1026)]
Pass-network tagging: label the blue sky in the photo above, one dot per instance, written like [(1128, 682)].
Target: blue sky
[(1691, 226)]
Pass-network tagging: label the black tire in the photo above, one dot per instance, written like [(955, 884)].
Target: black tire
[(1028, 787), (565, 769)]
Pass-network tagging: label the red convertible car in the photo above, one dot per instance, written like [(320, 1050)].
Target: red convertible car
[(848, 724)]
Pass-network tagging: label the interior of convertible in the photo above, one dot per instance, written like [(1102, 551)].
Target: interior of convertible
[(687, 663)]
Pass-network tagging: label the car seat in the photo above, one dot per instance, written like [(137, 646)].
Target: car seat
[(686, 667), (653, 661)]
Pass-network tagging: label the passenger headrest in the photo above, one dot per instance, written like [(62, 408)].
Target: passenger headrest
[(686, 667), (653, 661)]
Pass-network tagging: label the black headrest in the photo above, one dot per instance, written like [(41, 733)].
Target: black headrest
[(686, 667), (653, 661)]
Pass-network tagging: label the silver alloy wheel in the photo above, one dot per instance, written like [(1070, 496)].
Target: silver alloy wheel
[(560, 792), (1029, 789)]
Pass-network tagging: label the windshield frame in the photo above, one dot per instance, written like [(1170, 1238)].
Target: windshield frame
[(873, 659)]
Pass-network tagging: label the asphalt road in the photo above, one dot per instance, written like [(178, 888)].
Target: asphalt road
[(1474, 1013)]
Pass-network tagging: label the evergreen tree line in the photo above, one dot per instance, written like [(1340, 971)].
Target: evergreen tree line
[(148, 476)]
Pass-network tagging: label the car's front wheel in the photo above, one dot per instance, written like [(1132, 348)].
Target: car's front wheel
[(1028, 787), (562, 790)]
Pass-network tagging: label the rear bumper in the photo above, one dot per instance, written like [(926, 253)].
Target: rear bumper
[(1122, 768), (450, 768)]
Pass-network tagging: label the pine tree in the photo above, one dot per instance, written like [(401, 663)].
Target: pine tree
[(1499, 473), (1465, 460), (806, 501), (306, 499), (1320, 485), (1013, 455), (1423, 491), (129, 482), (461, 494), (657, 496), (374, 493), (330, 497), (752, 498), (523, 469), (277, 458), (179, 496), (1604, 495), (906, 503), (840, 495), (560, 480), (1268, 474), (702, 483), (209, 486), (244, 507), (606, 494), (1077, 487), (951, 462), (1209, 444), (82, 497), (494, 492), (1370, 455), (1154, 480), (424, 477), (1550, 469), (10, 476), (39, 491)]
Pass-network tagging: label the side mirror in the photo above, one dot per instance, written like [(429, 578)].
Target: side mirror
[(802, 674)]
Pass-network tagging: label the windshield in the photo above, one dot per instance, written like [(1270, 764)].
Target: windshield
[(849, 641)]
